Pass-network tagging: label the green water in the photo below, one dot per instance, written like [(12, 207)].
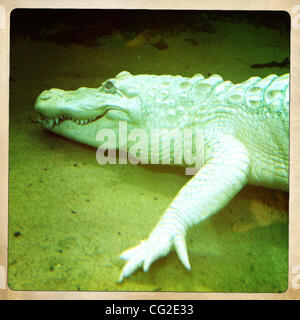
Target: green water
[(70, 218)]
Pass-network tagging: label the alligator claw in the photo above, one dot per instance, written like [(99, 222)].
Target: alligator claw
[(148, 251)]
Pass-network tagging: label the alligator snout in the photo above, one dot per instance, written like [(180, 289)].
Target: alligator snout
[(47, 94), (46, 102)]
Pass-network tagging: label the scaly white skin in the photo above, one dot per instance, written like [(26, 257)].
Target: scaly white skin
[(244, 134), (225, 172)]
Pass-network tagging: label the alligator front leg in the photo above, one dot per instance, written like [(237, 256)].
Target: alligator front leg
[(226, 170)]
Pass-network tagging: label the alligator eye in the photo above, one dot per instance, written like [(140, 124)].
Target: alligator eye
[(109, 86)]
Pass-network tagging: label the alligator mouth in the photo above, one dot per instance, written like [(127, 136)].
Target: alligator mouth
[(49, 122), (52, 122)]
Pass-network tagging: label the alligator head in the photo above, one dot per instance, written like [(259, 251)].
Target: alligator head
[(143, 101), (81, 113)]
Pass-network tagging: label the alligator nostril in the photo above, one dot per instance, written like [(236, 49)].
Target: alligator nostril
[(47, 94), (45, 97), (56, 91)]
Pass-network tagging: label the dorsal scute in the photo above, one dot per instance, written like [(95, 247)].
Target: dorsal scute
[(222, 87), (277, 93), (266, 91), (199, 76), (123, 74), (237, 93), (255, 93), (201, 89)]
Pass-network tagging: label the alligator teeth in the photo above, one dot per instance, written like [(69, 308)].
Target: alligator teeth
[(56, 121)]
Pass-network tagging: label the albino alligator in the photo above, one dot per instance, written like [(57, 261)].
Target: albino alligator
[(244, 139)]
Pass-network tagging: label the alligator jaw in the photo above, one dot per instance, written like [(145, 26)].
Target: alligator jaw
[(81, 130), (81, 106), (50, 123)]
